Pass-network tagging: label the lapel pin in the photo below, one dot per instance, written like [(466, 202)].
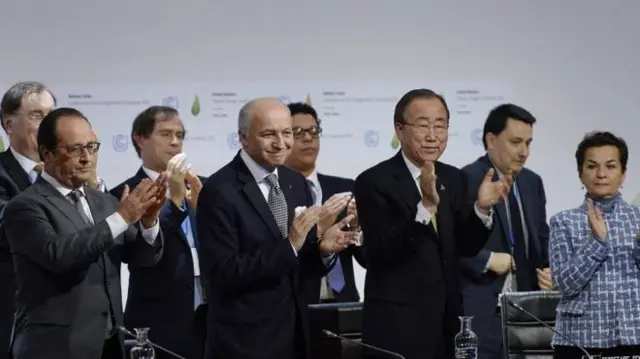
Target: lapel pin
[(442, 187)]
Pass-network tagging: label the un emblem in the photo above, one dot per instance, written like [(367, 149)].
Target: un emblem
[(476, 136), (371, 138), (120, 143), (233, 140), (171, 101)]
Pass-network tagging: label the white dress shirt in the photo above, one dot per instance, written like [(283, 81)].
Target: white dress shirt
[(116, 223), (26, 163), (423, 215)]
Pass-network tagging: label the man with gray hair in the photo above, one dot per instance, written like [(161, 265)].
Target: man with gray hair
[(22, 108), (260, 236)]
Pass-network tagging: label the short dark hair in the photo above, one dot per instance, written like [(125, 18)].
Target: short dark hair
[(297, 108), (145, 122), (405, 101), (48, 130), (600, 139), (12, 99), (498, 117)]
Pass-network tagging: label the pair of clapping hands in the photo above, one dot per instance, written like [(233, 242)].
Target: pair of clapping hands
[(183, 183), (332, 237)]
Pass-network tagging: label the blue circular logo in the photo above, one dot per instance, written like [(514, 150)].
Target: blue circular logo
[(233, 141), (120, 142), (171, 101), (371, 138), (476, 136)]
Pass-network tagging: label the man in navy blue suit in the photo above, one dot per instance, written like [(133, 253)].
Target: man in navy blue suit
[(515, 257), (168, 297), (256, 223), (339, 284)]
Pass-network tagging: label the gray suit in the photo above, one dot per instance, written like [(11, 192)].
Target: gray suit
[(68, 272)]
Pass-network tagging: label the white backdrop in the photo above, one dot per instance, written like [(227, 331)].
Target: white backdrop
[(573, 64)]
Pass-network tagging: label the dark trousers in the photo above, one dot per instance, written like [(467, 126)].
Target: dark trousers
[(112, 349), (621, 352)]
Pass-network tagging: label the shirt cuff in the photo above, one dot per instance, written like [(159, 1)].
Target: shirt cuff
[(150, 234), (295, 251), (486, 266), (487, 220), (360, 239), (423, 215), (116, 224)]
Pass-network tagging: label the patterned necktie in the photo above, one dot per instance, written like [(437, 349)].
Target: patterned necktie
[(36, 171), (75, 197), (278, 204)]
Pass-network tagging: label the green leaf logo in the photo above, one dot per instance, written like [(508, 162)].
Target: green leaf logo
[(395, 142), (1, 144), (308, 100), (195, 107)]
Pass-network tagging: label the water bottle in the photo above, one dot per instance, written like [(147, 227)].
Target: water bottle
[(142, 349), (466, 341)]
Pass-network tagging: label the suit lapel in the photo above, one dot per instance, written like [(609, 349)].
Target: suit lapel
[(59, 202), (405, 184), (98, 213), (526, 198), (15, 171), (255, 197)]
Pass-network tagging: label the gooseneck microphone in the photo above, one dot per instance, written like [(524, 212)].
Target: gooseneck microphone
[(131, 334), (374, 349), (530, 315)]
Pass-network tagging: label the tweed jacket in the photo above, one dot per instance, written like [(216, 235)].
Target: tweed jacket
[(599, 280)]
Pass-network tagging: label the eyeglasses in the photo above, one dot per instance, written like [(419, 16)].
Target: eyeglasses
[(438, 129), (299, 132), (78, 150)]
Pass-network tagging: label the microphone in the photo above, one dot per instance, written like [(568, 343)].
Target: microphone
[(372, 348), (131, 334), (530, 315)]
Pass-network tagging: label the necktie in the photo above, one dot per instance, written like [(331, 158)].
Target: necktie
[(187, 229), (523, 275), (75, 197), (434, 221), (314, 193), (278, 204), (36, 171)]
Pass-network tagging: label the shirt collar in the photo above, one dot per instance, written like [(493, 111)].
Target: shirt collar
[(258, 172), (26, 163), (59, 186), (153, 175), (313, 177), (413, 169)]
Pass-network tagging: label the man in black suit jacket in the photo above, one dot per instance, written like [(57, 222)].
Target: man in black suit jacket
[(167, 296), (516, 256), (339, 284), (254, 247), (22, 108), (416, 225), (68, 242)]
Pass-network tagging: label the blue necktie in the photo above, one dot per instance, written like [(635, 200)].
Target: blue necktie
[(188, 232), (335, 277)]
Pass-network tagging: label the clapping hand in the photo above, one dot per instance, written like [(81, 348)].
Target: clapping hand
[(331, 209), (430, 197), (304, 220), (150, 216), (335, 239), (490, 192), (596, 221), (134, 204), (195, 186), (177, 170)]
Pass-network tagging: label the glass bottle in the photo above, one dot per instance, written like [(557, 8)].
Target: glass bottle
[(142, 349), (466, 341)]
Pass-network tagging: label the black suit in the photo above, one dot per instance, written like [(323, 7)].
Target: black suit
[(412, 289), (251, 271), (68, 272), (13, 180), (331, 185), (161, 297), (480, 289)]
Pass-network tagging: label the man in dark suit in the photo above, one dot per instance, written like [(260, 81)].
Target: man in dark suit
[(516, 256), (68, 242), (165, 297), (416, 225), (22, 108), (256, 240), (339, 284)]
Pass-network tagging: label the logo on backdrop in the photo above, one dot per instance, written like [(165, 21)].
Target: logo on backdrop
[(371, 138), (233, 140), (120, 142), (171, 101), (395, 142), (195, 106), (1, 144), (307, 100), (476, 136)]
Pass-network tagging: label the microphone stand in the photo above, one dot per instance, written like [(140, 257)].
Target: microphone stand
[(387, 353), (131, 334)]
